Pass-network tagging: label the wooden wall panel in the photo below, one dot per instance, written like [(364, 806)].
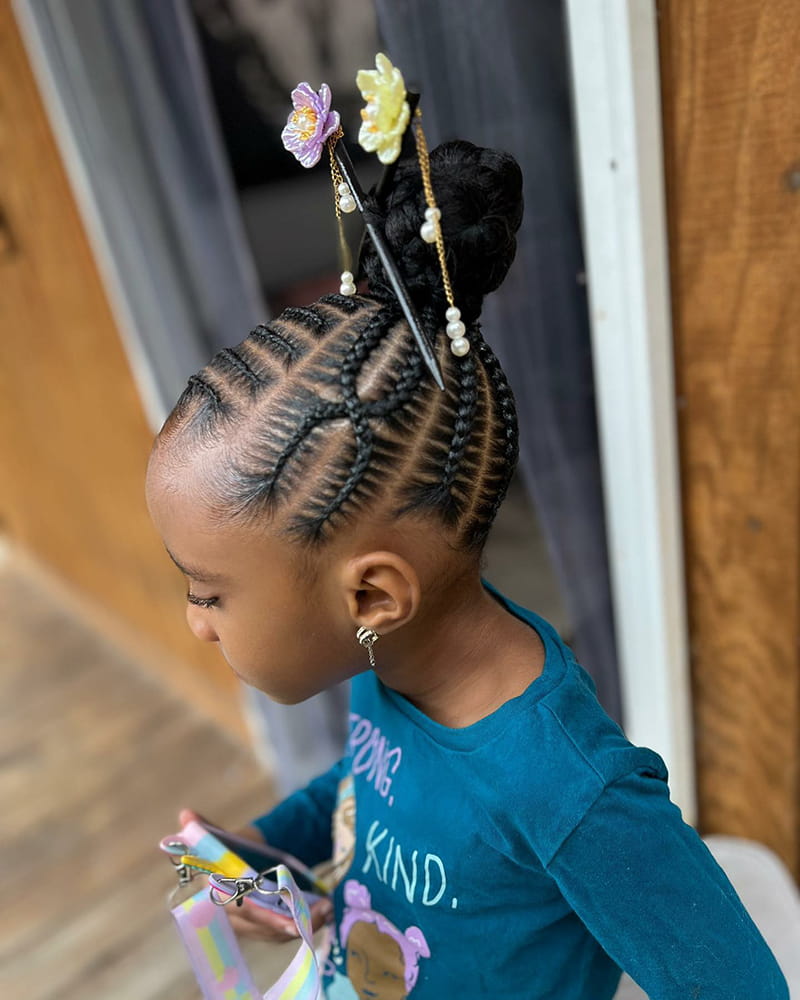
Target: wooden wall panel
[(73, 438), (731, 106)]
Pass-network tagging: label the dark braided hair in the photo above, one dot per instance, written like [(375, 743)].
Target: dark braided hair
[(329, 410)]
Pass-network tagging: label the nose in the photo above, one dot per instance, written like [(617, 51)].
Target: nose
[(198, 620), (368, 978)]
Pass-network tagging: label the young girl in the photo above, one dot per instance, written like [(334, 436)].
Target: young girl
[(496, 832)]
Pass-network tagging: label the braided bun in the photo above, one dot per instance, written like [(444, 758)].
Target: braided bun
[(479, 192)]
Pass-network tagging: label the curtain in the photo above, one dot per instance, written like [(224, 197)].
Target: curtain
[(132, 88)]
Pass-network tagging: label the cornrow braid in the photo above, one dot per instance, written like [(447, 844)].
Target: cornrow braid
[(351, 367), (330, 409), (508, 427), (212, 406), (275, 338), (205, 387), (263, 486), (408, 381), (240, 367), (306, 317), (465, 418)]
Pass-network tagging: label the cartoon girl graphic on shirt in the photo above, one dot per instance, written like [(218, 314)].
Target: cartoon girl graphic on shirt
[(344, 833), (382, 962)]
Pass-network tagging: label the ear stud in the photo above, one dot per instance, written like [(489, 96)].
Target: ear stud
[(367, 638)]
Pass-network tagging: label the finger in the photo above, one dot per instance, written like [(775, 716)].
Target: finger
[(321, 913), (252, 932), (277, 929), (266, 919), (258, 923), (189, 815)]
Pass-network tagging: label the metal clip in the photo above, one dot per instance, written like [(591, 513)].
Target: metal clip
[(175, 849), (185, 876), (233, 890), (223, 890)]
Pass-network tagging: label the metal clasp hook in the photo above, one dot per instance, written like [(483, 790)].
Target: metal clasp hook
[(225, 889), (175, 850)]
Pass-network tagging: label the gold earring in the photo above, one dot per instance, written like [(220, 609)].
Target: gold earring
[(367, 638)]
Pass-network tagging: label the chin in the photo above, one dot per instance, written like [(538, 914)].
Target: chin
[(289, 697), (281, 696)]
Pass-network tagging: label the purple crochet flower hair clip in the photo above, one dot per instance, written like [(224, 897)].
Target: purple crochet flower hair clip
[(310, 124)]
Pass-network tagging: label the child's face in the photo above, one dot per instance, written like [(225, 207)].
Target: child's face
[(286, 636), (375, 964)]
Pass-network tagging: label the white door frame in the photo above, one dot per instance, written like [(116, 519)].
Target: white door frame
[(615, 74)]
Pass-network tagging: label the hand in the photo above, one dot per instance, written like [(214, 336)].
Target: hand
[(252, 921)]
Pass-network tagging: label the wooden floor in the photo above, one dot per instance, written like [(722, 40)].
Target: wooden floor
[(94, 762)]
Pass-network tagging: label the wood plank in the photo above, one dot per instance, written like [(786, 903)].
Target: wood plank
[(95, 760), (730, 83), (73, 438)]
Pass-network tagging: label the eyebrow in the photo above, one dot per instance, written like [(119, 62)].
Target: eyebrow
[(201, 575)]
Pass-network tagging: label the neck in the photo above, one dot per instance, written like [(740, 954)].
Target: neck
[(463, 657)]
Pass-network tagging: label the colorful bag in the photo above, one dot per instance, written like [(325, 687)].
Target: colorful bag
[(236, 868)]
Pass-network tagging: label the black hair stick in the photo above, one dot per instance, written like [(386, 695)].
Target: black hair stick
[(398, 286)]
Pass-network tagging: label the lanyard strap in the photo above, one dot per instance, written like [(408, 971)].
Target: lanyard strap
[(218, 964), (206, 932)]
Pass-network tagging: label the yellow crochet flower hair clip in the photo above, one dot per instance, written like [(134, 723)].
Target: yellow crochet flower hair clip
[(386, 116)]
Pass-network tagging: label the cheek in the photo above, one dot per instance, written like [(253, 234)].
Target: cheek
[(286, 647), (200, 622)]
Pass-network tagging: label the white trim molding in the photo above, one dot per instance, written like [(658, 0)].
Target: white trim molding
[(615, 75)]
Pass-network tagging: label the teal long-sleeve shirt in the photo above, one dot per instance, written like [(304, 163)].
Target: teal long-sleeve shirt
[(534, 854)]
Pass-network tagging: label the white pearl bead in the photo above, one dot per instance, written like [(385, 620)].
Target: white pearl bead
[(347, 203), (428, 232), (456, 329), (453, 314), (347, 288), (347, 278), (343, 188), (460, 347), (433, 214)]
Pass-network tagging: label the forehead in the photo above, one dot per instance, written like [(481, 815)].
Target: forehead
[(198, 537)]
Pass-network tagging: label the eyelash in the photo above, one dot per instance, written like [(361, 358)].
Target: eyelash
[(201, 602)]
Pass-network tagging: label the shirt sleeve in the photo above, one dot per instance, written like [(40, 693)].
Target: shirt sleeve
[(301, 824), (648, 889)]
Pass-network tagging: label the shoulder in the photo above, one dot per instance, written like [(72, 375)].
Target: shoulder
[(566, 750), (572, 753), (585, 733), (573, 724)]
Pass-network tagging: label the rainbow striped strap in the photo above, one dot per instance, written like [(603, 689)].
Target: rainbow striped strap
[(217, 962)]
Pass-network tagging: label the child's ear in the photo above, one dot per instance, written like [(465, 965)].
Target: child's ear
[(382, 591)]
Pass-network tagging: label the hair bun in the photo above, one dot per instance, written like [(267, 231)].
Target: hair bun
[(479, 192)]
